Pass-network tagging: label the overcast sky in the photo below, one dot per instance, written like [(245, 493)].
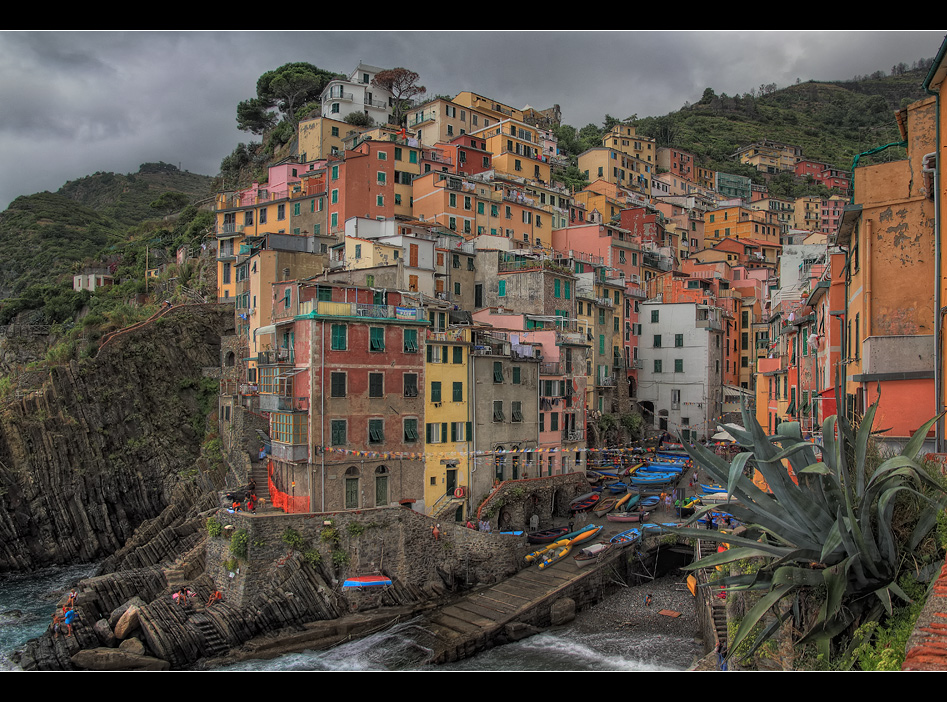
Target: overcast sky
[(73, 103)]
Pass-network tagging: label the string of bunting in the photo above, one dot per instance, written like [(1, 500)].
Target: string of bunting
[(416, 455)]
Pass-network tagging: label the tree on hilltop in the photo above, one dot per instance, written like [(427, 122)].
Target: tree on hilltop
[(286, 89), (403, 86)]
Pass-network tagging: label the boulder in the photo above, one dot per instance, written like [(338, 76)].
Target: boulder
[(115, 659), (128, 623), (104, 633), (132, 645)]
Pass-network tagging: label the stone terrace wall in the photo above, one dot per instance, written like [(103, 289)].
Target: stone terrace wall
[(396, 542)]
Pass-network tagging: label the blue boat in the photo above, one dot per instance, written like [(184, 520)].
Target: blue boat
[(626, 537)]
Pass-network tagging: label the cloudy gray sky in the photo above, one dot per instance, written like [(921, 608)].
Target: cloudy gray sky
[(73, 103)]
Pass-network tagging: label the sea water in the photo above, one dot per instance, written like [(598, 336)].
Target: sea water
[(28, 601)]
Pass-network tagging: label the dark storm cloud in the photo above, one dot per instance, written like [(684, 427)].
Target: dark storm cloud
[(72, 103)]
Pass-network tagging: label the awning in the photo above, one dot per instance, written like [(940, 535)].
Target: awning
[(269, 329)]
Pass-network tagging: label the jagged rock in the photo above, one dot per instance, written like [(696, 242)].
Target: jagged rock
[(114, 659), (98, 450), (104, 633), (128, 623), (132, 645)]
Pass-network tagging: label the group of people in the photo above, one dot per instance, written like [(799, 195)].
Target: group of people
[(248, 500), (63, 620)]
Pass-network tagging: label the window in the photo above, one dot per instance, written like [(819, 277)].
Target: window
[(435, 391), (433, 434), (516, 375), (517, 411), (338, 432), (338, 385), (335, 131), (381, 177), (383, 156), (458, 430), (557, 288), (554, 421), (376, 384), (498, 411), (458, 354), (657, 341), (410, 385), (458, 395), (376, 431), (281, 212), (657, 365), (678, 365), (678, 340), (410, 340), (410, 430), (502, 288), (654, 316), (376, 339), (497, 372), (339, 337)]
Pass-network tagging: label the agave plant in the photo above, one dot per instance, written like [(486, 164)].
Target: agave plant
[(829, 527)]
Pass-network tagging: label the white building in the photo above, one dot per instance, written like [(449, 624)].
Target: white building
[(681, 378), (357, 94)]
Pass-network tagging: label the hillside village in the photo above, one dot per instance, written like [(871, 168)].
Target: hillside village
[(422, 311)]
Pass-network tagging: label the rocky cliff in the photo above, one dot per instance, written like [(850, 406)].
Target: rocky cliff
[(98, 450)]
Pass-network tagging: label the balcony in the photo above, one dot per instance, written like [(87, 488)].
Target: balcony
[(357, 309), (275, 357), (552, 368)]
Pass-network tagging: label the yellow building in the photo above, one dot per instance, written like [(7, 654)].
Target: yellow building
[(517, 150), (738, 222), (616, 167), (448, 432), (622, 137), (485, 106), (322, 137)]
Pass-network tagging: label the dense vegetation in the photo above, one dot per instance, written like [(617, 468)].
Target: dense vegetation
[(831, 121)]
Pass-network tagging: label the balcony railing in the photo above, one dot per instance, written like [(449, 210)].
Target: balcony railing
[(275, 357)]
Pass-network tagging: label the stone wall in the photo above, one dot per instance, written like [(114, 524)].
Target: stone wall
[(392, 541), (512, 505)]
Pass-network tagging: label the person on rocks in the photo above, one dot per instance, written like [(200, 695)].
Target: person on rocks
[(215, 596), (57, 624), (69, 619), (251, 486)]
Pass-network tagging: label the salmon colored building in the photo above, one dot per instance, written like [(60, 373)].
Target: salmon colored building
[(890, 315)]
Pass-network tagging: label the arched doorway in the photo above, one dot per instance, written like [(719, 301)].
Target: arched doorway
[(381, 486), (351, 488)]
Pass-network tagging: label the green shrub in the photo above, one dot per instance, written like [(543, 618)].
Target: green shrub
[(312, 557), (355, 528), (239, 543), (214, 527), (293, 539)]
